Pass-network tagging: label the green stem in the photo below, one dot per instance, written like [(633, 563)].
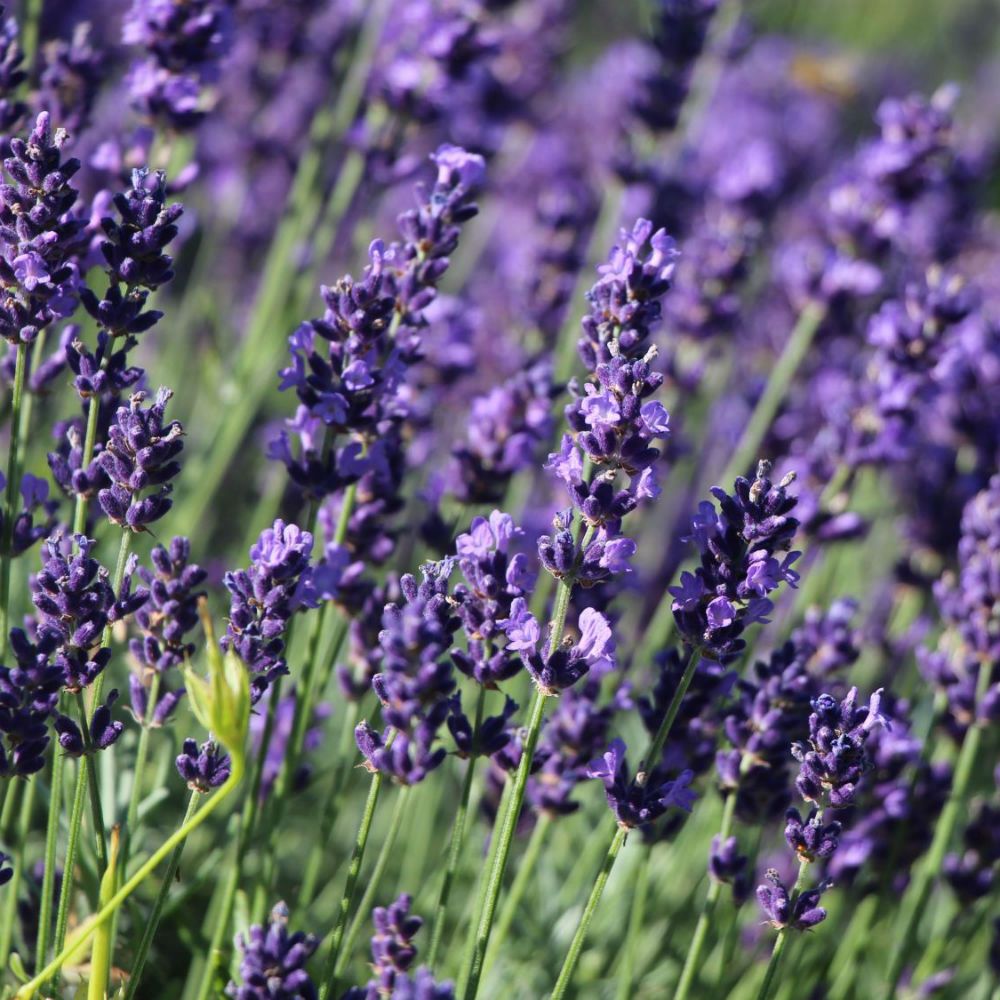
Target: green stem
[(779, 943), (152, 922), (29, 37), (10, 493), (784, 370), (89, 441), (457, 839), (507, 825), (693, 959), (637, 918), (51, 843), (66, 890), (374, 880), (248, 822), (576, 946), (523, 878), (86, 761), (925, 880), (90, 926), (331, 808), (660, 739), (652, 757), (11, 894), (139, 772), (354, 870)]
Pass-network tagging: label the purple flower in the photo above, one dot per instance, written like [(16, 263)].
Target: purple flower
[(811, 838), (203, 768), (263, 600), (833, 761), (555, 670), (726, 593), (40, 235), (393, 955), (141, 453), (272, 963), (801, 914), (102, 730), (29, 693), (172, 610), (75, 603), (632, 800), (727, 865)]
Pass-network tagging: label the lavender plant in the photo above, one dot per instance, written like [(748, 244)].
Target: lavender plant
[(543, 592)]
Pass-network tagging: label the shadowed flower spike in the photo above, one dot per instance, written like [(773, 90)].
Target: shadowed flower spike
[(264, 598), (184, 43), (203, 768), (833, 761), (632, 800), (727, 865), (393, 955), (29, 693), (811, 838), (802, 915), (75, 603), (739, 566), (103, 730), (272, 963), (28, 527), (174, 584), (137, 264)]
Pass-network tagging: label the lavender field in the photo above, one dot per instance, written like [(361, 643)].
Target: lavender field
[(500, 500)]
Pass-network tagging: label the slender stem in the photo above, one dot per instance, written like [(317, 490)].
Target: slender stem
[(138, 775), (576, 946), (636, 920), (10, 493), (925, 880), (139, 771), (652, 757), (96, 809), (248, 822), (152, 922), (693, 959), (637, 917), (791, 357), (66, 889), (779, 943), (87, 929), (11, 893), (89, 441), (507, 825), (51, 843), (523, 878), (457, 840), (331, 808), (29, 37), (344, 908), (374, 880), (660, 739)]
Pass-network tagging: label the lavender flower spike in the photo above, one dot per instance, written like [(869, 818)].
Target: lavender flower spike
[(273, 962), (633, 802)]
